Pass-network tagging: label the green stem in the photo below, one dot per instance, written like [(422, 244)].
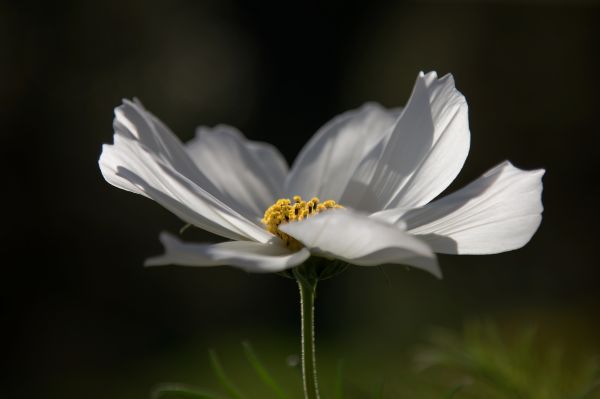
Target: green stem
[(309, 360)]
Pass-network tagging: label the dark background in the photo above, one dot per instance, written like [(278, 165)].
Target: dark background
[(85, 319)]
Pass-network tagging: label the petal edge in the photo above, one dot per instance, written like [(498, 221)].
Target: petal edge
[(498, 212), (250, 256)]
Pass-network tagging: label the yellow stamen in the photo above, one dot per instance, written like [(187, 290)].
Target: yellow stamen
[(285, 211)]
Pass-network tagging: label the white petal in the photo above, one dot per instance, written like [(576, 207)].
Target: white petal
[(133, 121), (246, 173), (250, 256), (325, 164), (361, 240), (424, 153), (147, 159), (498, 212)]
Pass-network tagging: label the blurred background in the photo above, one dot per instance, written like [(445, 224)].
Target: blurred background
[(86, 319)]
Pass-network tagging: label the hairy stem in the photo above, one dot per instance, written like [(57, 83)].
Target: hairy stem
[(309, 361)]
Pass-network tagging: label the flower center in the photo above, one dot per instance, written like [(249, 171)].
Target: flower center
[(284, 211)]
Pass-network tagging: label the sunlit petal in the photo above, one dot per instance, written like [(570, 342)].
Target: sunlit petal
[(498, 212), (361, 240), (147, 159), (421, 157)]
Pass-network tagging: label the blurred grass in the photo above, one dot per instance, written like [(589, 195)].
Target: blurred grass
[(481, 361), (517, 364)]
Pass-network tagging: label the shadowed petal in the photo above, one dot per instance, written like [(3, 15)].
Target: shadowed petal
[(360, 240), (423, 154), (250, 256), (325, 164), (498, 212), (247, 173)]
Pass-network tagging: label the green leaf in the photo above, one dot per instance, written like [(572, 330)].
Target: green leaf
[(179, 391), (222, 377), (262, 371)]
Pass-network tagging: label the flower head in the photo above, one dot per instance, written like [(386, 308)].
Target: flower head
[(377, 170)]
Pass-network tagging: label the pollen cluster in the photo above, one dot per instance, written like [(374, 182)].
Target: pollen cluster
[(285, 210)]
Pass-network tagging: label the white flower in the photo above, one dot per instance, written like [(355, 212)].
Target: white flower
[(383, 166)]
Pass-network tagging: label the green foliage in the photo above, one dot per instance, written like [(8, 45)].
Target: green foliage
[(493, 366), (262, 372), (481, 362), (180, 391), (222, 377)]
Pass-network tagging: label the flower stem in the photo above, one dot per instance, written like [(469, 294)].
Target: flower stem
[(309, 361)]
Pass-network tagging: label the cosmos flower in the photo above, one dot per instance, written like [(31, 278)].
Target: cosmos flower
[(362, 190)]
